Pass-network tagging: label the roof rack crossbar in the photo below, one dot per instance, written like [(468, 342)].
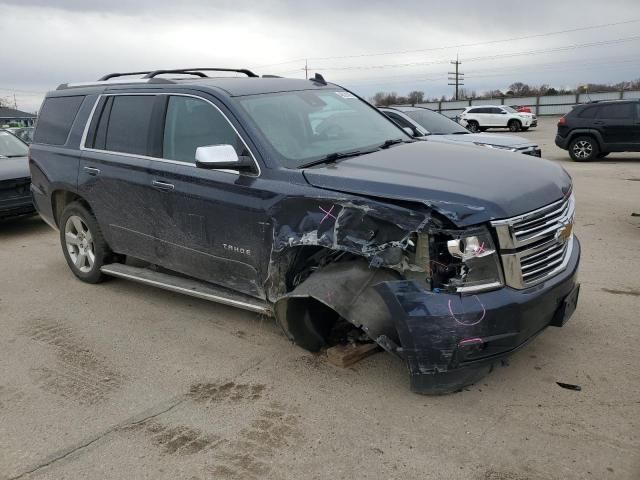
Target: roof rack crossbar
[(123, 74), (198, 71)]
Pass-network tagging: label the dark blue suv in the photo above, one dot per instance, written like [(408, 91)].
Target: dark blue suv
[(297, 199)]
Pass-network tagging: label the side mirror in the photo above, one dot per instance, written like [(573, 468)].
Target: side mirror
[(502, 112), (221, 157)]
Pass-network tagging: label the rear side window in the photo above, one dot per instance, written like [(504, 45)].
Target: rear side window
[(616, 111), (476, 110), (589, 112), (129, 124), (55, 119)]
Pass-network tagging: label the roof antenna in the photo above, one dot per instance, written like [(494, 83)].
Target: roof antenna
[(317, 78)]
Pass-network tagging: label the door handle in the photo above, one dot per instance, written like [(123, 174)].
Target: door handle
[(92, 171), (162, 185)]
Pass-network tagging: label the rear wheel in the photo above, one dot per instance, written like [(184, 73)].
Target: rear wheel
[(514, 125), (82, 242), (583, 149), (473, 126)]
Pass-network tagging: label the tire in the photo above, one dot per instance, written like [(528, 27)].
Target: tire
[(83, 244), (473, 126), (524, 129), (602, 154), (514, 125), (583, 149)]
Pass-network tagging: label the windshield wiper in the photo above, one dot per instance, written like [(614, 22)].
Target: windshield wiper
[(332, 158), (389, 143)]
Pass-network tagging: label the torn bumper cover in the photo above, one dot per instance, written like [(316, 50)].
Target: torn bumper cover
[(450, 341)]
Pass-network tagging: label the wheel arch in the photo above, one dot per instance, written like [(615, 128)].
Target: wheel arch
[(60, 198), (586, 132)]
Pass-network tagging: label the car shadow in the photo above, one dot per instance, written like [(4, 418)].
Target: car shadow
[(27, 224)]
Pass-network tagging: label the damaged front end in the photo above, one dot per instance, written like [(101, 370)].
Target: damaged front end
[(423, 290)]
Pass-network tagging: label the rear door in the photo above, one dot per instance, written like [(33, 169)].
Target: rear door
[(618, 124), (114, 175)]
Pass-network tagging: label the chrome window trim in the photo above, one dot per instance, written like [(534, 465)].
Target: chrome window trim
[(83, 140)]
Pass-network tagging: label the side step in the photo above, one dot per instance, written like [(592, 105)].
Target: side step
[(186, 286)]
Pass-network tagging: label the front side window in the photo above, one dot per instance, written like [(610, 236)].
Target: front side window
[(11, 147), (616, 111), (305, 126), (191, 123)]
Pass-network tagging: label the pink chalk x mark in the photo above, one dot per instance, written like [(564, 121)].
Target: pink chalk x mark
[(328, 214), (484, 312)]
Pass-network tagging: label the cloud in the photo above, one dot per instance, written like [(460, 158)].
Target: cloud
[(80, 40)]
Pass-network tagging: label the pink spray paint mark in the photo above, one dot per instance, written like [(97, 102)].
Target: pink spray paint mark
[(484, 312), (328, 214)]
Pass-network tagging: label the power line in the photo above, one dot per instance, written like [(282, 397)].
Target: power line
[(461, 45), (490, 57)]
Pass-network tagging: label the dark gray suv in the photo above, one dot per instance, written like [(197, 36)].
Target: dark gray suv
[(298, 199)]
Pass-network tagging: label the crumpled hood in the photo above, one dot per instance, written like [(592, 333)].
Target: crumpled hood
[(11, 168), (488, 138), (468, 186)]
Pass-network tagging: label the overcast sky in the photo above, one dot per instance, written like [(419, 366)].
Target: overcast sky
[(48, 42)]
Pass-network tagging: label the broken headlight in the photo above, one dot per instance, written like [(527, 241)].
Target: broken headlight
[(464, 263)]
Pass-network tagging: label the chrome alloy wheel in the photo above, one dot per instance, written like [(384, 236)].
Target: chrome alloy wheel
[(583, 149), (79, 242)]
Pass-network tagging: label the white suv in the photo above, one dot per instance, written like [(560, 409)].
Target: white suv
[(481, 118)]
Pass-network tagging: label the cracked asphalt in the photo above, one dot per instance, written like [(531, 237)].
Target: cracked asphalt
[(121, 380)]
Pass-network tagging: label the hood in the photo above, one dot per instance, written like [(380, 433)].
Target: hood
[(467, 185), (488, 138), (11, 168)]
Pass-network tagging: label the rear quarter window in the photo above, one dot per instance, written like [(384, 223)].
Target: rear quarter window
[(589, 112), (55, 119)]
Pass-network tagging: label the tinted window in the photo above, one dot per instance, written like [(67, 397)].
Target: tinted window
[(399, 120), (495, 110), (191, 123), (435, 122), (55, 120), (616, 111), (589, 112), (129, 124), (476, 110)]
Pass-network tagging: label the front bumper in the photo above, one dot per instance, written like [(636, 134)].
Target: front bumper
[(15, 206), (562, 142), (450, 341)]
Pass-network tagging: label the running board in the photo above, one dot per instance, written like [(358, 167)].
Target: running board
[(186, 286)]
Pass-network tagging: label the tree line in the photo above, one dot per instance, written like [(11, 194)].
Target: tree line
[(516, 89)]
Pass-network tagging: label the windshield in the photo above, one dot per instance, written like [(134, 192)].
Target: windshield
[(509, 109), (309, 125), (435, 123), (10, 146)]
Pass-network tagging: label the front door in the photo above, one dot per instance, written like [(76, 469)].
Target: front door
[(208, 224)]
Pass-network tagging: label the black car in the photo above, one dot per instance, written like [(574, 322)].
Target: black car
[(298, 199), (595, 129), (15, 196)]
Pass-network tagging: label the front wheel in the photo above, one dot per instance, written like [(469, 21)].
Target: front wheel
[(514, 126), (82, 242), (583, 149)]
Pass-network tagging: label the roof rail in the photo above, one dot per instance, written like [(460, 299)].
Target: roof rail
[(124, 74), (198, 71)]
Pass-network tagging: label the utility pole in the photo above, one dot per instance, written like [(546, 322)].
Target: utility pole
[(458, 76), (306, 70), (15, 103)]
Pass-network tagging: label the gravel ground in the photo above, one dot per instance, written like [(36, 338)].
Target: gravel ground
[(121, 380)]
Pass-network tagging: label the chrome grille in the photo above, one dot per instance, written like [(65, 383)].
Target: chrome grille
[(536, 245)]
